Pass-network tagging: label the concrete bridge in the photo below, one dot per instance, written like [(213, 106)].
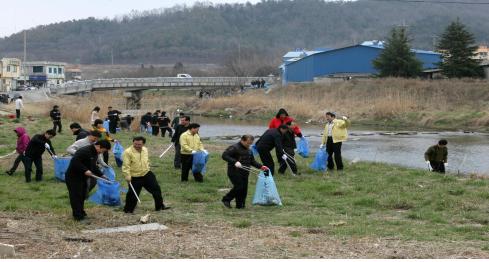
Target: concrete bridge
[(133, 87)]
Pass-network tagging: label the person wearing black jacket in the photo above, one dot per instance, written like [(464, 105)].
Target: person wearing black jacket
[(164, 123), (113, 116), (33, 153), (154, 123), (175, 139), (272, 138), (144, 121), (239, 156), (78, 131), (55, 115), (83, 165), (289, 144)]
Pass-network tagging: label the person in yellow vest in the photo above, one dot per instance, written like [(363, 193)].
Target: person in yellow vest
[(98, 125), (335, 133), (190, 143), (136, 171)]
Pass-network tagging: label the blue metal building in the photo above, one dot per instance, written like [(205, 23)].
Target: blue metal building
[(354, 60)]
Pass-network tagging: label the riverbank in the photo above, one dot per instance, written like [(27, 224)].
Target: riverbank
[(368, 211), (385, 103)]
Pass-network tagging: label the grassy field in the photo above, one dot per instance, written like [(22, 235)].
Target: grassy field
[(367, 202)]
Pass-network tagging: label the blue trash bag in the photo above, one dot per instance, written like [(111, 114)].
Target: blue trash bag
[(107, 193), (60, 166), (266, 193), (106, 125), (199, 162), (254, 150), (303, 147), (118, 150), (149, 130), (319, 163)]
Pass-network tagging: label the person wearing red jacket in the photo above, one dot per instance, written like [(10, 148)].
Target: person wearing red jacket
[(22, 142)]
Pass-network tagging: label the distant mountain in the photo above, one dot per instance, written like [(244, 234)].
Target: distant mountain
[(204, 33)]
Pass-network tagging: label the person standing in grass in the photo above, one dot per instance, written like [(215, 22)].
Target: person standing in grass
[(289, 144), (334, 134), (239, 158), (33, 153), (99, 126), (175, 139), (95, 115), (18, 106), (154, 123), (55, 115), (176, 121), (164, 123), (78, 131), (113, 116), (83, 165), (22, 142), (437, 156), (137, 172), (145, 122), (190, 143)]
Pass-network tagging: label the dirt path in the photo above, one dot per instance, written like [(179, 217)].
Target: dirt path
[(41, 236)]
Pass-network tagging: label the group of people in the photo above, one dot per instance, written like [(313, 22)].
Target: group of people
[(90, 153), (157, 122)]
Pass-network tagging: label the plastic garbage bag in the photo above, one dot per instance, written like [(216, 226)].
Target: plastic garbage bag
[(107, 193), (199, 162), (118, 150), (149, 129), (303, 147), (61, 164), (106, 125), (254, 150), (319, 163), (266, 193)]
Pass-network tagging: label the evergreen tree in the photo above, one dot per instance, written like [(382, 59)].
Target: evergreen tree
[(457, 46), (397, 59)]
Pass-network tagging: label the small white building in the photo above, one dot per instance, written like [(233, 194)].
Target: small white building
[(9, 73), (44, 74)]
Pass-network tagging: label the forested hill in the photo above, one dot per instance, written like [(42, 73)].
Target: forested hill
[(204, 33)]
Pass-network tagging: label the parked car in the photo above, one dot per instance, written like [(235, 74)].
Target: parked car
[(184, 76)]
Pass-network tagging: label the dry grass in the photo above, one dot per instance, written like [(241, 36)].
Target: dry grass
[(374, 99)]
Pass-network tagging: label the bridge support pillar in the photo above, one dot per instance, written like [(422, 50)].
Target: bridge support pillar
[(133, 99)]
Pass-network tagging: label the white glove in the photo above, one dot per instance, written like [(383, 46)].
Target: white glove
[(238, 164), (284, 157), (193, 152), (345, 118), (47, 146), (54, 157), (205, 151), (321, 146), (428, 162), (446, 164)]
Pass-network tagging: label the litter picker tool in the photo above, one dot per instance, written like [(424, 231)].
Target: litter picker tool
[(102, 179), (249, 169), (166, 150), (134, 191), (287, 163), (7, 155)]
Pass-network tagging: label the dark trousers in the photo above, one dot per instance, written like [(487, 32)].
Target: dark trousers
[(239, 190), (267, 160), (187, 167), (106, 157), (113, 127), (58, 125), (334, 149), (177, 161), (17, 113), (156, 130), (438, 166), (164, 129), (291, 162), (20, 158), (77, 190), (28, 168), (151, 185)]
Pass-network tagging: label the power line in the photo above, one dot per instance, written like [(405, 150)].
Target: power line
[(430, 2)]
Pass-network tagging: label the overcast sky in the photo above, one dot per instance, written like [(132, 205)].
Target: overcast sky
[(18, 15)]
